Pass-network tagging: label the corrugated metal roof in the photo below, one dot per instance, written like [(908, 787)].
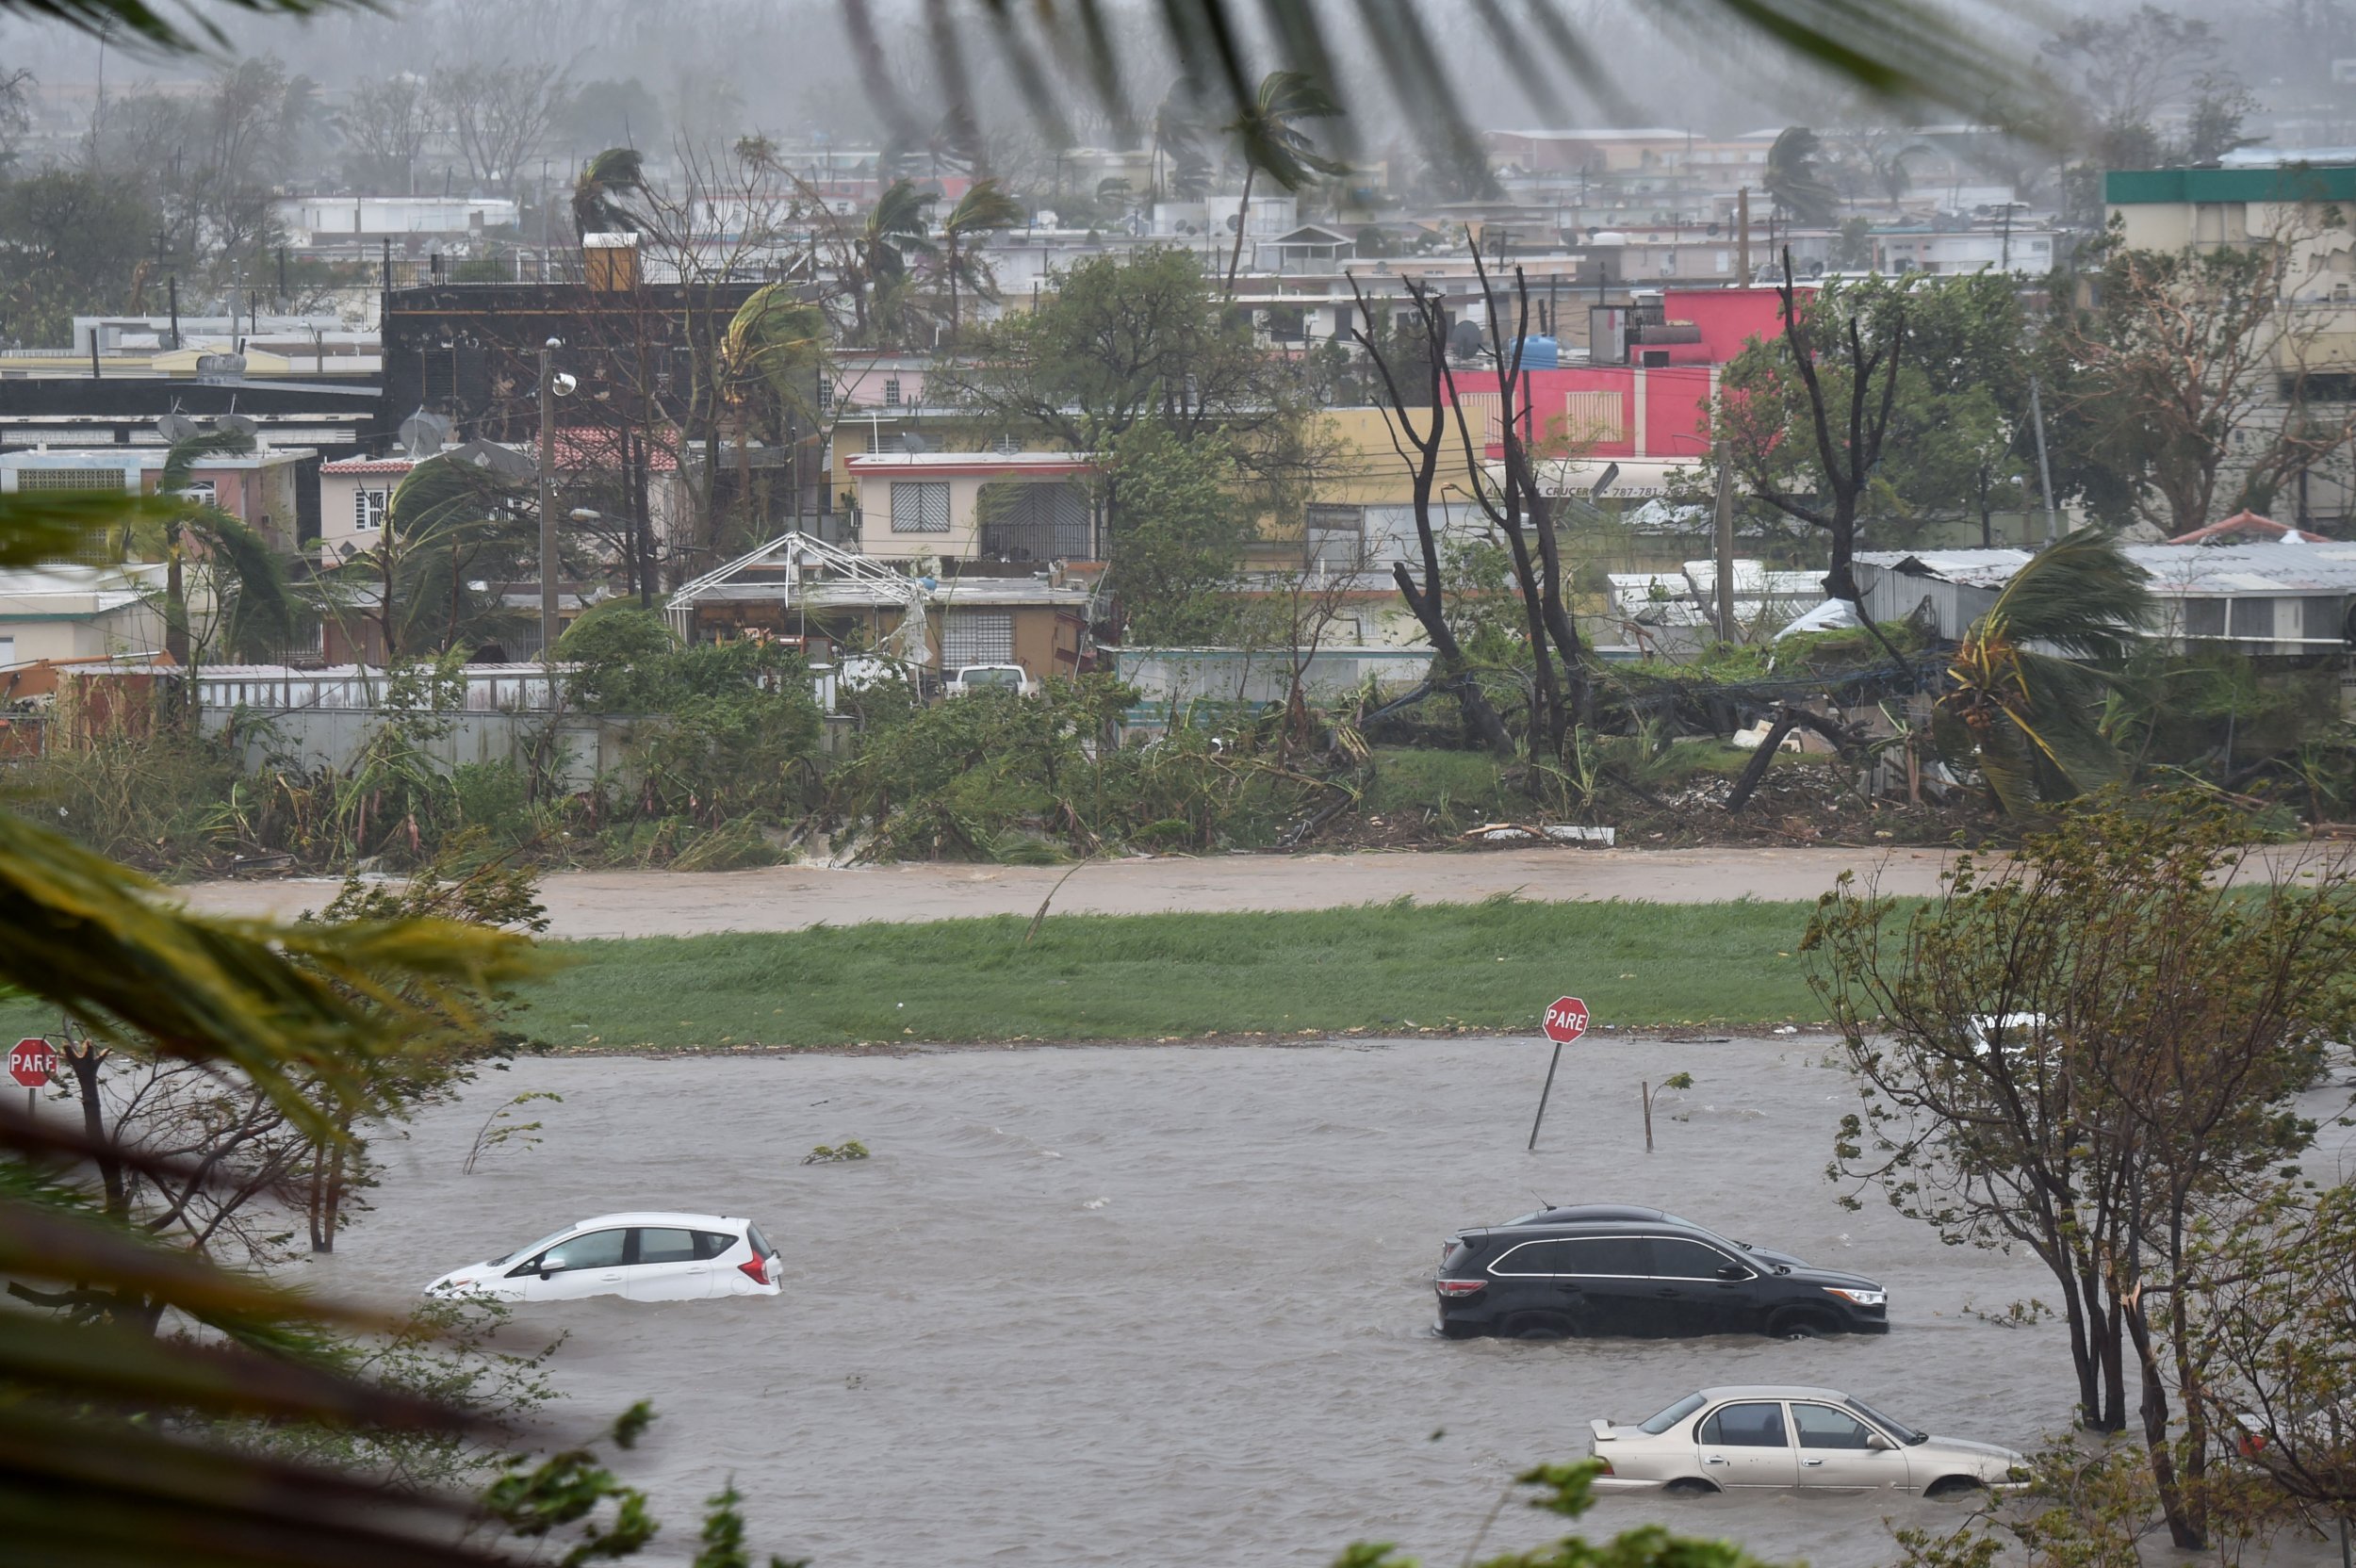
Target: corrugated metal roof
[(2175, 572)]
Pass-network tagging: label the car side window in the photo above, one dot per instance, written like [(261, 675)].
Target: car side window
[(1674, 1258), (1610, 1257), (711, 1244), (1746, 1426), (1532, 1257), (1823, 1426), (663, 1243), (596, 1250)]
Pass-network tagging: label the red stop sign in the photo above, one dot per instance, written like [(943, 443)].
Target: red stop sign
[(1566, 1019), (31, 1062)]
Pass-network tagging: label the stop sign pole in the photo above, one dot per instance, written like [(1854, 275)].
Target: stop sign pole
[(1565, 1022)]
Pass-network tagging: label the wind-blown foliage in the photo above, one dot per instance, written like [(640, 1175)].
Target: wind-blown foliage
[(597, 191), (1272, 143), (449, 525), (2030, 720), (984, 207)]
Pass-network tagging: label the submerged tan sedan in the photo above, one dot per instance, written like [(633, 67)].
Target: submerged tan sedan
[(1725, 1439)]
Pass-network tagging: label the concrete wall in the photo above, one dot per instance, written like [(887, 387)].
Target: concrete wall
[(589, 743)]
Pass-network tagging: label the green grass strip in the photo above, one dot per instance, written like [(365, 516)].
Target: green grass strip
[(1393, 968)]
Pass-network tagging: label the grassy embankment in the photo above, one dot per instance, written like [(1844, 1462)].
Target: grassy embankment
[(1386, 969)]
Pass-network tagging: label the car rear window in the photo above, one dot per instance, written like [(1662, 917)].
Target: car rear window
[(1674, 1415)]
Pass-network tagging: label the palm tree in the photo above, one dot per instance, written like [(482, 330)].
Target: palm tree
[(982, 208), (1178, 144), (878, 262), (1798, 192), (1270, 141), (449, 525), (774, 352), (598, 207), (255, 613), (2027, 718)]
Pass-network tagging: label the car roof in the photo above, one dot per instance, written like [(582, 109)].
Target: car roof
[(1772, 1391), (1569, 1213), (656, 1217)]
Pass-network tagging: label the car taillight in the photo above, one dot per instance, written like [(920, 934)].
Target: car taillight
[(757, 1270), (1462, 1287)]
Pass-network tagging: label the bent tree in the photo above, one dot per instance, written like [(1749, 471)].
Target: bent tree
[(2088, 1050)]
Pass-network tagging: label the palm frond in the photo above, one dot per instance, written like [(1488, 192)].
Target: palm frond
[(95, 938), (2079, 594), (1893, 50), (148, 24), (39, 527)]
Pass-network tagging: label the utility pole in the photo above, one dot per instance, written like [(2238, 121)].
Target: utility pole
[(547, 513), (1743, 235), (1726, 541), (2044, 469)]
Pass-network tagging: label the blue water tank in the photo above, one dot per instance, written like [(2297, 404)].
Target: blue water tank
[(1541, 354)]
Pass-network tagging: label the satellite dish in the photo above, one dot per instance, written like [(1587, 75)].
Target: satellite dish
[(176, 427), (238, 422), (422, 434), (912, 442), (1464, 340)]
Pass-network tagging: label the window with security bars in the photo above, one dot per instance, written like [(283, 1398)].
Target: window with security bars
[(1336, 538), (68, 479), (1032, 521), (2204, 617), (2253, 618), (920, 507), (2323, 619), (976, 637), (368, 509)]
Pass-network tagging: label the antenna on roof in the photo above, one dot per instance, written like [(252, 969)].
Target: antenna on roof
[(177, 427)]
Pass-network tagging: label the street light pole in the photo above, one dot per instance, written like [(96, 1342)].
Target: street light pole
[(547, 509)]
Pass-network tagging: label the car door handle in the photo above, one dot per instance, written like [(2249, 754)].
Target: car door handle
[(1713, 1459), (1811, 1462), (1666, 1294), (616, 1275)]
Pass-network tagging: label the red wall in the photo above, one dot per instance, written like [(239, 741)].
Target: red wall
[(1728, 317), (1674, 399)]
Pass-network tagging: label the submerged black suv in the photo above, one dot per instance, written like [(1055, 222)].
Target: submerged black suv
[(1607, 1268)]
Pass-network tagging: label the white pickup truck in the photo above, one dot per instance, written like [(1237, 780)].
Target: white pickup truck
[(969, 678)]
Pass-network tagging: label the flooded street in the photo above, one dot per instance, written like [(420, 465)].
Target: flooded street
[(1171, 1306)]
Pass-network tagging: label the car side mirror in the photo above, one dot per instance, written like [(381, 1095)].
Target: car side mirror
[(548, 1274), (1733, 1271), (1876, 1440)]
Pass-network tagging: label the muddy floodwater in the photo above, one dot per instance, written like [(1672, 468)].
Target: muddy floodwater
[(1173, 1306)]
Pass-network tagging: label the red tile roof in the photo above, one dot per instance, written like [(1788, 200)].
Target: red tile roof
[(368, 465), (598, 448)]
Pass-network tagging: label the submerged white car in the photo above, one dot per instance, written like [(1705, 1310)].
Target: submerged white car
[(1722, 1439), (644, 1257)]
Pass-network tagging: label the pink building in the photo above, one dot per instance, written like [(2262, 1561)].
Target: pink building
[(1651, 416)]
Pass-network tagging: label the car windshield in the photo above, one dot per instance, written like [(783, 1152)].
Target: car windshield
[(1674, 1415), (991, 678), (1898, 1429), (522, 1253)]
